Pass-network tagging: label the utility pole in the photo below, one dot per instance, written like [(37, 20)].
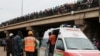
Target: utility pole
[(21, 7)]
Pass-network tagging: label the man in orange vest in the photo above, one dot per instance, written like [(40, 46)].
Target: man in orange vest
[(30, 44), (52, 41)]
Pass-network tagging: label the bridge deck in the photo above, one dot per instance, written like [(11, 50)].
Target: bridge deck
[(82, 14)]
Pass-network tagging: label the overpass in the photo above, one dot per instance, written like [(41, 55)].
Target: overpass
[(87, 20)]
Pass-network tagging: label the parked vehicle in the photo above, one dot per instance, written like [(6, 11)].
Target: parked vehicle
[(71, 41)]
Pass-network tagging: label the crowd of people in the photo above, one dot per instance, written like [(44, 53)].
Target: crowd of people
[(17, 45), (65, 8)]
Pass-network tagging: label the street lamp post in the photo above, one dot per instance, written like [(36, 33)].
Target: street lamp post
[(21, 7)]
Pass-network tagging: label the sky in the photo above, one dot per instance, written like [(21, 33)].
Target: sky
[(10, 9)]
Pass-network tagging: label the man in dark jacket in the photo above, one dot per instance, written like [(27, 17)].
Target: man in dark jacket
[(9, 45), (17, 40)]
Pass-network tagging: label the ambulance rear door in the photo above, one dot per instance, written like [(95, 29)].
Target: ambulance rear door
[(43, 47)]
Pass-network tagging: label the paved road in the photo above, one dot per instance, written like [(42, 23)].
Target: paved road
[(2, 52)]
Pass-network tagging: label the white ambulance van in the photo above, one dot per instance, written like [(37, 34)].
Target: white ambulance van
[(71, 41)]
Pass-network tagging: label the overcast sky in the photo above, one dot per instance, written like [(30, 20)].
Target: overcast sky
[(10, 9)]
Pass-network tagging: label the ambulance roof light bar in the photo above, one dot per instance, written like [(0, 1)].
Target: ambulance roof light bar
[(70, 26), (65, 25), (76, 26)]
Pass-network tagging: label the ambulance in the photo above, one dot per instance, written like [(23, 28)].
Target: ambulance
[(71, 41)]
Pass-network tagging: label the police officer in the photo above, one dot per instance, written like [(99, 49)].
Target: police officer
[(30, 44)]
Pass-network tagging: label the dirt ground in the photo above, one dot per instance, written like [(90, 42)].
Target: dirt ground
[(2, 52)]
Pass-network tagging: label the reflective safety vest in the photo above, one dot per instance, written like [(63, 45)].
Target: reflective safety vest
[(30, 43)]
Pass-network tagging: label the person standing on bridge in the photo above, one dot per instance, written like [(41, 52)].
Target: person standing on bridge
[(30, 44)]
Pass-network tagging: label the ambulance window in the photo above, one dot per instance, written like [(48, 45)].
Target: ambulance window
[(44, 43), (60, 44), (79, 44)]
